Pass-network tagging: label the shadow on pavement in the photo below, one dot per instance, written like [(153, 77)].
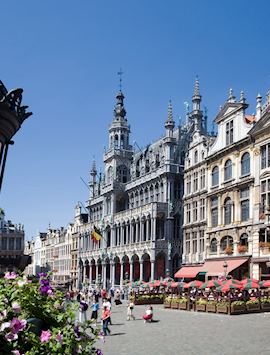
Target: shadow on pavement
[(117, 334), (117, 324)]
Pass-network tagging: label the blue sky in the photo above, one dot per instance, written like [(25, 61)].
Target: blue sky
[(66, 54)]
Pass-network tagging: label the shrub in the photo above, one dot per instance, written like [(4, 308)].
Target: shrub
[(201, 301), (238, 303), (253, 301), (35, 320), (229, 250), (242, 248)]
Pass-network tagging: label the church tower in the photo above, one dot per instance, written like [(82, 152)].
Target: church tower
[(118, 157), (197, 114)]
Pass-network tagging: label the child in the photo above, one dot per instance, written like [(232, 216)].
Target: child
[(130, 308), (95, 308), (105, 319), (148, 314)]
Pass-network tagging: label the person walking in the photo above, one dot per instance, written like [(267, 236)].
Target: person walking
[(94, 315), (82, 310), (130, 308), (105, 319), (117, 297)]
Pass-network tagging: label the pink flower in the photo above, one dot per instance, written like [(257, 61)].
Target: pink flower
[(10, 275), (3, 314), (16, 307), (59, 338), (11, 336), (17, 325), (16, 352), (45, 336), (21, 283)]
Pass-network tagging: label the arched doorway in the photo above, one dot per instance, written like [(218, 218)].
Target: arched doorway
[(108, 272), (136, 267), (146, 267), (160, 266), (117, 266), (93, 266), (126, 270), (99, 275)]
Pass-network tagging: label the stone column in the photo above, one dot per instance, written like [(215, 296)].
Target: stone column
[(84, 273), (104, 275), (90, 274), (121, 274), (112, 273), (131, 233), (137, 232), (96, 272), (152, 275), (141, 270), (147, 229), (131, 270), (153, 229), (127, 234), (218, 247)]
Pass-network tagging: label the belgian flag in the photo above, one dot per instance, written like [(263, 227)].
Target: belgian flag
[(96, 235)]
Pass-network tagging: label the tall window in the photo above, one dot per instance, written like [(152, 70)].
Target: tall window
[(213, 245), (215, 176), (195, 182), (202, 179), (202, 209), (244, 200), (245, 164), (228, 170), (195, 157), (228, 211), (229, 132), (244, 239), (187, 243), (201, 241), (194, 242), (214, 211), (188, 213), (188, 184), (265, 156), (195, 211)]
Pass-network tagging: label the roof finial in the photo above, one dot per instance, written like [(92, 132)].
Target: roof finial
[(120, 73), (231, 97), (197, 87), (170, 122), (242, 97)]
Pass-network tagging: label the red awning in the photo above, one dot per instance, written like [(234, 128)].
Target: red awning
[(215, 267), (188, 271)]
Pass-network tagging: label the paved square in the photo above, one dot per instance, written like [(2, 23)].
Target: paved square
[(187, 333)]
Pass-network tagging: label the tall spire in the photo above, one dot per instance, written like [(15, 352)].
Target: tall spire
[(169, 124), (119, 109), (196, 98)]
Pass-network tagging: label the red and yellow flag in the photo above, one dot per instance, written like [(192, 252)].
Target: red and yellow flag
[(96, 235)]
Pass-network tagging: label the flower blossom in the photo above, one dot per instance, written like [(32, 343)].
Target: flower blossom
[(4, 326), (99, 352), (16, 352), (11, 336), (3, 314), (16, 307), (59, 338), (21, 283), (10, 275), (45, 336), (17, 325)]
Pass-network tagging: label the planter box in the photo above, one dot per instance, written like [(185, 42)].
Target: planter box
[(211, 308), (149, 301), (253, 307), (265, 307), (174, 305), (238, 309), (200, 307), (223, 309), (167, 304), (183, 306)]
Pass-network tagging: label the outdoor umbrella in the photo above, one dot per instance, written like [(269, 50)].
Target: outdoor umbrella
[(211, 283), (231, 282), (174, 284), (194, 283), (250, 285), (156, 283), (265, 283), (248, 280), (229, 286)]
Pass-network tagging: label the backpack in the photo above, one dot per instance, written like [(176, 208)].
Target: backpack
[(84, 306)]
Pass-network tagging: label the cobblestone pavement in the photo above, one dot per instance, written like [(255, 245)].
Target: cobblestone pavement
[(187, 333)]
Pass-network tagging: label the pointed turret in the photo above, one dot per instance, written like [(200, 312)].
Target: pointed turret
[(119, 110), (169, 124), (231, 97), (197, 114), (258, 107)]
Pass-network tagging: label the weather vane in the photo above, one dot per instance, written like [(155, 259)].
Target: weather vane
[(120, 73)]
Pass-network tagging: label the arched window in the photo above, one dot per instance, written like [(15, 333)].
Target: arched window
[(228, 211), (215, 176), (245, 164), (110, 175), (226, 242), (116, 141), (141, 197), (213, 245), (244, 239), (228, 170), (122, 141), (195, 157), (202, 155)]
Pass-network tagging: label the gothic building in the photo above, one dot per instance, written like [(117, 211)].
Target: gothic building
[(137, 204)]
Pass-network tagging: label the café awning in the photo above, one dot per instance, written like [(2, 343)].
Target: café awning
[(216, 267), (188, 271)]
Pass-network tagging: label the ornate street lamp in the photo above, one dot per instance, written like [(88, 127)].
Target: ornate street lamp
[(12, 115), (225, 266)]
